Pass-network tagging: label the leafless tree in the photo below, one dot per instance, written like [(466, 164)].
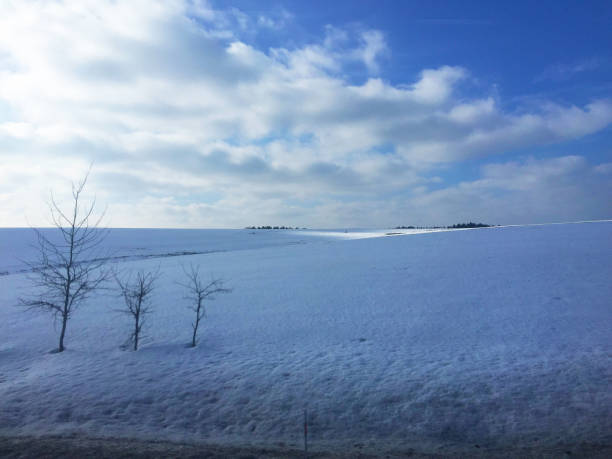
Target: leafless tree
[(68, 270), (199, 291), (136, 295)]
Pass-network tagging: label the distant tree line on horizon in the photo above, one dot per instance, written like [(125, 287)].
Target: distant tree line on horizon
[(455, 226), (470, 225), (273, 228)]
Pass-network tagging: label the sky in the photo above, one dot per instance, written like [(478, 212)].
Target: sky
[(215, 114)]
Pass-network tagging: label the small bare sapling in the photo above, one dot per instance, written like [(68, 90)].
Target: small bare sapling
[(136, 293), (199, 291), (70, 268)]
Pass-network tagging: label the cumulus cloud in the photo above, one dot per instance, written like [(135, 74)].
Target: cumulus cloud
[(566, 188), (374, 45), (174, 99)]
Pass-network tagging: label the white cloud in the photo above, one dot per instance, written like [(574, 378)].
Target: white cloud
[(566, 71), (473, 112), (604, 169), (16, 130), (276, 20), (173, 94), (565, 188), (374, 46), (435, 86)]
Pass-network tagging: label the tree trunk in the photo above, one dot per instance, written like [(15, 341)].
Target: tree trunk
[(136, 334), (197, 322), (67, 293), (195, 330), (61, 340)]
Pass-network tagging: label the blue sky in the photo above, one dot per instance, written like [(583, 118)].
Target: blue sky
[(318, 114)]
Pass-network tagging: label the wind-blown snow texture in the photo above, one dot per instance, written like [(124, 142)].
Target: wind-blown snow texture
[(493, 336)]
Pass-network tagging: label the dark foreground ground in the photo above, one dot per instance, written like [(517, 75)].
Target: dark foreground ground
[(82, 447)]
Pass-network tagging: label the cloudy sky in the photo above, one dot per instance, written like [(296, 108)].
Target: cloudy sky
[(318, 114)]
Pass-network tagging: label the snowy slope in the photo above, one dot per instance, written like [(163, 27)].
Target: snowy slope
[(18, 245), (493, 336)]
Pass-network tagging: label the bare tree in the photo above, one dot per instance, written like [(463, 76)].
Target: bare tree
[(69, 269), (197, 292), (136, 295)]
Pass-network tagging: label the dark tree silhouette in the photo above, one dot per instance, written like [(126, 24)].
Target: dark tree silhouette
[(70, 269), (199, 291), (136, 294)]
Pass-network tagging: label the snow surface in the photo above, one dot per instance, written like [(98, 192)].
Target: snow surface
[(495, 336), (18, 245)]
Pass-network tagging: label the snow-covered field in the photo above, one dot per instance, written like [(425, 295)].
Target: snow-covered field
[(497, 337), (18, 245)]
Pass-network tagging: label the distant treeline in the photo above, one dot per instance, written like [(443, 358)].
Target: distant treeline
[(419, 227), (273, 228), (470, 225), (455, 226)]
